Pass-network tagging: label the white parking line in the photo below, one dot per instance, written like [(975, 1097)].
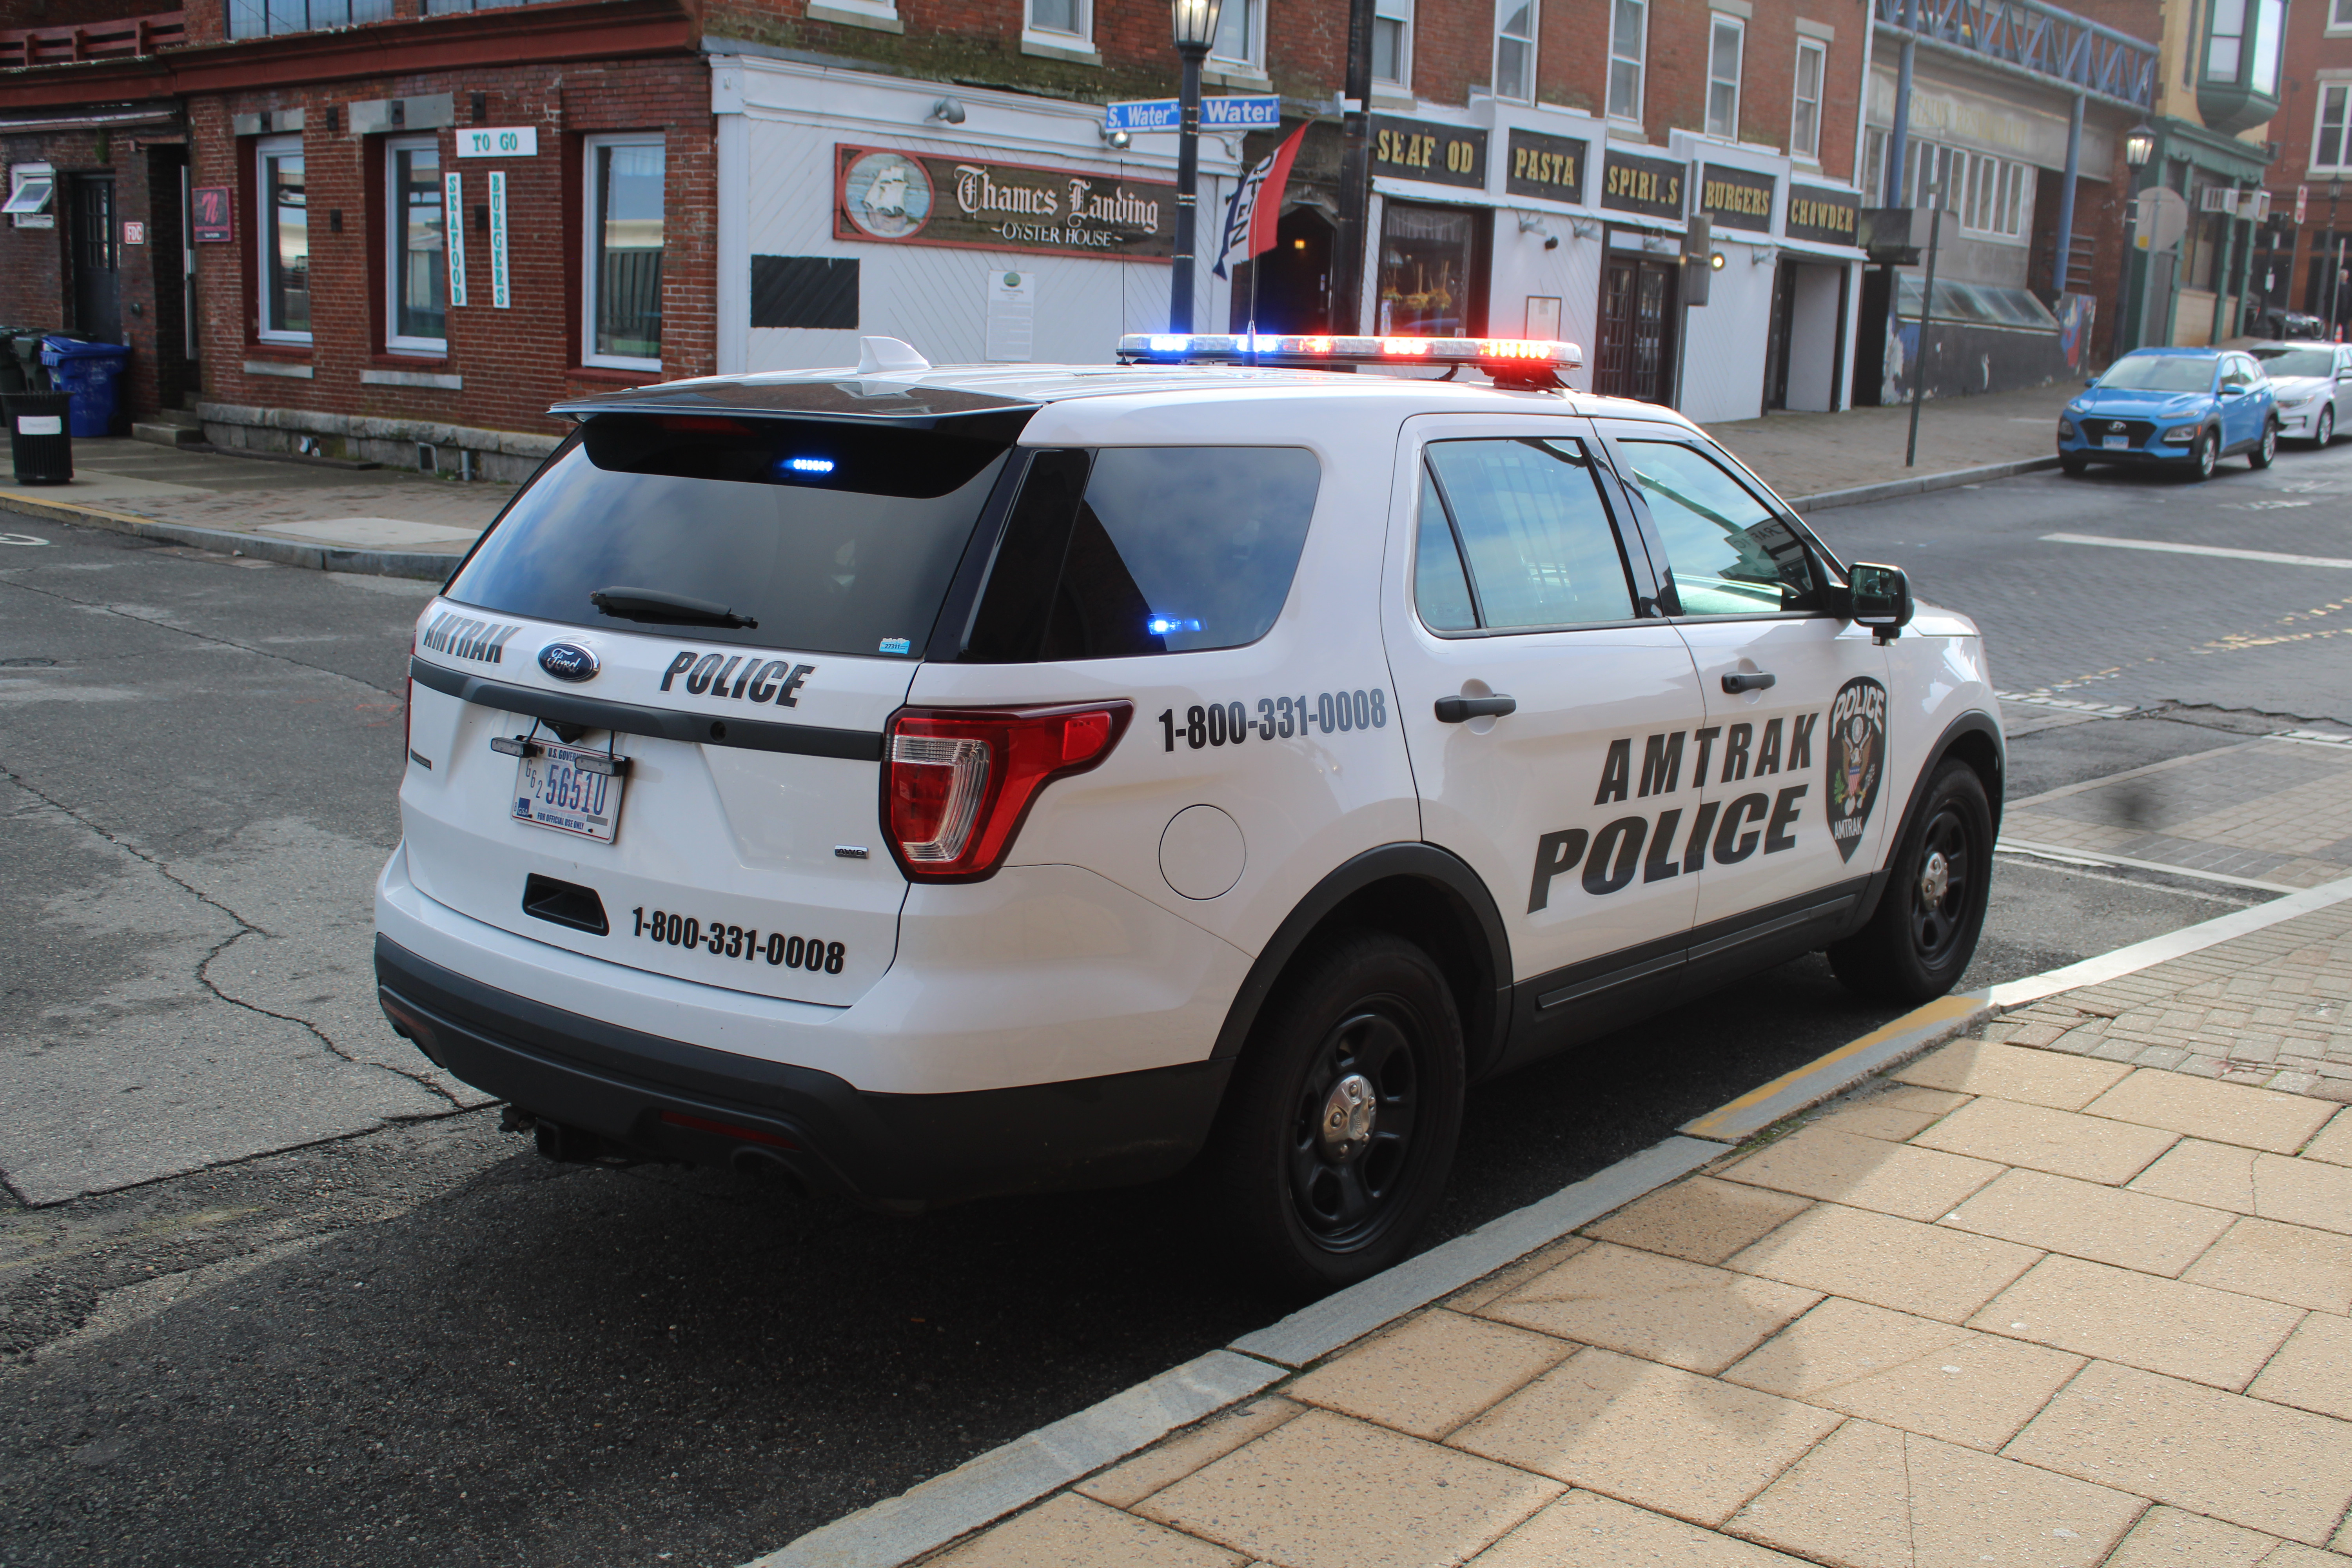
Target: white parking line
[(2270, 555)]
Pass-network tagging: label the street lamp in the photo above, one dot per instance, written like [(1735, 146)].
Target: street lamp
[(2139, 146), (1194, 23)]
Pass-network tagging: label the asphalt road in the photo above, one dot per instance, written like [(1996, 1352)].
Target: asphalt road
[(309, 1308)]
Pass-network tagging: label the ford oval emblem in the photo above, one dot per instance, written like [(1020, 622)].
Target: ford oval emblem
[(568, 661)]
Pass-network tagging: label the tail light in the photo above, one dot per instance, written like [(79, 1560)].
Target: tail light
[(408, 706), (957, 783)]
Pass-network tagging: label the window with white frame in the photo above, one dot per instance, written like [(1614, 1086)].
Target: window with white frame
[(621, 296), (30, 187), (1515, 49), (283, 225), (1392, 42), (2330, 149), (1629, 45), (1726, 41), (1241, 34), (1992, 196), (416, 265), (2339, 16), (1805, 114), (1874, 166), (1065, 21)]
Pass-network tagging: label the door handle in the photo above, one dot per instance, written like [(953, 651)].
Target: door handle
[(1454, 710), (1762, 681)]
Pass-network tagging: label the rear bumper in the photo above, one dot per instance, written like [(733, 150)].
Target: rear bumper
[(677, 1100)]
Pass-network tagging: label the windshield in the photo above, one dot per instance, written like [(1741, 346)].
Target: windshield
[(2297, 362), (834, 538), (2160, 373)]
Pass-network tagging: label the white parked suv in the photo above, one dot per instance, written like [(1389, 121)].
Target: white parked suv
[(944, 782)]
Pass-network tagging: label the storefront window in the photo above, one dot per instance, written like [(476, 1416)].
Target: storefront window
[(1628, 40), (417, 270), (1425, 271), (625, 252), (285, 229)]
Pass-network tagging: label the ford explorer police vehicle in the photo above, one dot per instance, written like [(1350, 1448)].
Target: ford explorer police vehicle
[(932, 782)]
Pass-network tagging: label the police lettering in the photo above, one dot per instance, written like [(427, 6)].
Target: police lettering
[(1760, 821), (737, 678)]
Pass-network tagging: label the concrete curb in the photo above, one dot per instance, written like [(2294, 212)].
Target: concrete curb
[(417, 563), (1012, 1477), (1893, 489), (1008, 1479)]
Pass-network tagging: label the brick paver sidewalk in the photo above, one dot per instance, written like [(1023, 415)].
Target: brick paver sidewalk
[(2009, 1305), (1807, 454)]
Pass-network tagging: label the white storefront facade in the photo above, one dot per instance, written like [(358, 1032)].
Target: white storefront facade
[(977, 226)]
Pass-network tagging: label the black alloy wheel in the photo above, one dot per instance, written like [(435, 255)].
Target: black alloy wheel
[(2266, 448), (1336, 1134), (1921, 937), (1351, 1126)]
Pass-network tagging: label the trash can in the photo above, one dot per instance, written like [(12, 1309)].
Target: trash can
[(12, 373), (38, 439), (26, 350), (87, 371)]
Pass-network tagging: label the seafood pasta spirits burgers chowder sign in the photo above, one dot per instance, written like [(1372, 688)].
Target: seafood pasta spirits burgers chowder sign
[(979, 203)]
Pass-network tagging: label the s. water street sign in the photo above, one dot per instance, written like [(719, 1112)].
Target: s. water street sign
[(1216, 114)]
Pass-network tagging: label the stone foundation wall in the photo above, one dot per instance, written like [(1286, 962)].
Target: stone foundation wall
[(508, 456)]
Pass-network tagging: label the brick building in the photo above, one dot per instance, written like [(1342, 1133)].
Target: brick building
[(412, 224), (2300, 255)]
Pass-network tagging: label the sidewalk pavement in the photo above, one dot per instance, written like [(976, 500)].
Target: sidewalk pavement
[(410, 523), (1807, 455), (2017, 1302)]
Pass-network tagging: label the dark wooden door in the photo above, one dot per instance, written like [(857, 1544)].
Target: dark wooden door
[(97, 265), (1776, 341), (1635, 358)]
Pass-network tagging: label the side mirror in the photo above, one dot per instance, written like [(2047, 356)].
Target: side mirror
[(1878, 597), (2093, 381)]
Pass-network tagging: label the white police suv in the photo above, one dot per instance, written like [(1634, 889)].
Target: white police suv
[(944, 782)]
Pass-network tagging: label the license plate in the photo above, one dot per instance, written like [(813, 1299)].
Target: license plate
[(551, 790), (2117, 443)]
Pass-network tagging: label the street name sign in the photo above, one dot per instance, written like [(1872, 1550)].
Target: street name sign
[(1216, 114)]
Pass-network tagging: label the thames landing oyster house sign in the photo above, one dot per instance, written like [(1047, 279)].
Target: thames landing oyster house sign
[(979, 203)]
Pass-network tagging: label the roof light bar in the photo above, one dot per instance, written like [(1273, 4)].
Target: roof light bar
[(1510, 361)]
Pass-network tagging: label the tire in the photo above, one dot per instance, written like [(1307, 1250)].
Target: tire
[(1360, 1010), (2073, 468), (2324, 431), (2265, 449), (1923, 932), (2208, 455)]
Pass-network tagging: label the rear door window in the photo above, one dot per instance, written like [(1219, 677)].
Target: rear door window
[(834, 538), (1129, 550)]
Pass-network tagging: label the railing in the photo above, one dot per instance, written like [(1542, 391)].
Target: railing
[(2071, 51), (117, 41)]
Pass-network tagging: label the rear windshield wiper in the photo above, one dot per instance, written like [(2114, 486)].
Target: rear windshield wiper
[(653, 605)]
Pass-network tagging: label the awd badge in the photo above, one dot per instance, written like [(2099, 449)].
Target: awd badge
[(568, 661)]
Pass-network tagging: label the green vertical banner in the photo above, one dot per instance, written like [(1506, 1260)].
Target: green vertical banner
[(453, 229), (501, 295)]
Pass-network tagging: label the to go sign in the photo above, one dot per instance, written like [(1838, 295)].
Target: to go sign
[(498, 142)]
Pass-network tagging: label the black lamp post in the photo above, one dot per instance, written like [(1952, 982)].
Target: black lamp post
[(1194, 23), (2139, 146)]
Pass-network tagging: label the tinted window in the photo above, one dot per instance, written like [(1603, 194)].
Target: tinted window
[(1730, 553), (1439, 592), (1533, 529), (834, 538), (1144, 549)]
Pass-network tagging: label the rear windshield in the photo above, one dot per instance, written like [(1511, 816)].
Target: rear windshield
[(834, 538), (1143, 550)]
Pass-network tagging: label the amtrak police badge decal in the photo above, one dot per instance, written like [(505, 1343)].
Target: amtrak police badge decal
[(1857, 759)]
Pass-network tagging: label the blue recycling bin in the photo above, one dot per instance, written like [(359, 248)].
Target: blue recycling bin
[(89, 372)]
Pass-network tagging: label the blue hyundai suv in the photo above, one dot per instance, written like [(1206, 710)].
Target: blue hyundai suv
[(2182, 409)]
